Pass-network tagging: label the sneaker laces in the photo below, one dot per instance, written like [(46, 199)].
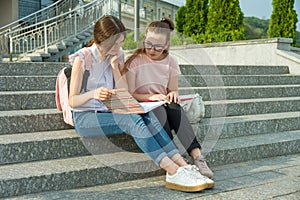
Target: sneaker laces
[(194, 169), (202, 162), (187, 173)]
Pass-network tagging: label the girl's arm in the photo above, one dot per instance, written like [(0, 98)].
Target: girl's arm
[(75, 98), (130, 76), (172, 90), (120, 81), (142, 97)]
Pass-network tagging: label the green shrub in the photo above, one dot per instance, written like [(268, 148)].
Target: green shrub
[(129, 43)]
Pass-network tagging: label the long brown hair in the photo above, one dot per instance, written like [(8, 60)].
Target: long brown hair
[(106, 27), (164, 26)]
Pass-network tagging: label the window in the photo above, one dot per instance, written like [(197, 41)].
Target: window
[(26, 7)]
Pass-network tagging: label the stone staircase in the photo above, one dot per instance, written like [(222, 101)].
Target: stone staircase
[(252, 112)]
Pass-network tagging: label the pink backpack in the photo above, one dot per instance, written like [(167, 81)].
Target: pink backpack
[(63, 83)]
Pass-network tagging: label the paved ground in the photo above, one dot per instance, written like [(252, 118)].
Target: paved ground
[(273, 178)]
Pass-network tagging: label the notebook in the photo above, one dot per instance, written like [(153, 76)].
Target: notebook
[(123, 102)]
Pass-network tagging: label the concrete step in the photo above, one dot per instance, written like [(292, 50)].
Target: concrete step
[(32, 177), (252, 147), (253, 114), (237, 80), (24, 100), (47, 82), (46, 145), (81, 36), (220, 92), (69, 173), (233, 69), (31, 69), (246, 125), (32, 57), (67, 43), (251, 106), (53, 49), (242, 92), (32, 146), (43, 68), (233, 181), (26, 83), (22, 121)]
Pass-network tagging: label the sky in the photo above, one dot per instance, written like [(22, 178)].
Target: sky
[(260, 8)]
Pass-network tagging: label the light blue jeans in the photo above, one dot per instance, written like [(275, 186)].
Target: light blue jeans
[(145, 129)]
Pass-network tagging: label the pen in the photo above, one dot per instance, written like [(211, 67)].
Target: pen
[(151, 100), (185, 99)]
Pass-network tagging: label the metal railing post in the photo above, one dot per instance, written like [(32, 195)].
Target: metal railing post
[(75, 23), (10, 48), (45, 39), (136, 20)]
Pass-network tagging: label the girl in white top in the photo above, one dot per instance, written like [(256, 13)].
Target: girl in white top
[(152, 74), (92, 119)]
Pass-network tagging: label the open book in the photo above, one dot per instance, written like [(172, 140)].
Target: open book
[(124, 103)]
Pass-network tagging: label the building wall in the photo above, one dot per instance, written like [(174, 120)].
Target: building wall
[(149, 10), (26, 7), (9, 10)]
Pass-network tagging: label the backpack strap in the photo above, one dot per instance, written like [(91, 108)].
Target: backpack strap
[(88, 64)]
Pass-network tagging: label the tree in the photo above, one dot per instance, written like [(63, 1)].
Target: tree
[(195, 19), (180, 19), (225, 21), (256, 28), (283, 19)]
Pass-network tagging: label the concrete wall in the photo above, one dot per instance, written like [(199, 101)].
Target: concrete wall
[(274, 51), (9, 10)]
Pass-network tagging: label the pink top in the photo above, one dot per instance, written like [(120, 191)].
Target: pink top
[(152, 76)]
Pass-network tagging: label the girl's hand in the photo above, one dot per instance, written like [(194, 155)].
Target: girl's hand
[(103, 94), (114, 61), (158, 97), (173, 97)]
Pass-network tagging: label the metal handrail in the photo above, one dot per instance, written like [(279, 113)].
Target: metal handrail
[(35, 17), (40, 15), (41, 35)]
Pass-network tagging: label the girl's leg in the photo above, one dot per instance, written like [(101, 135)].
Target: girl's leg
[(179, 122), (182, 127), (161, 115), (89, 124), (97, 124), (162, 138), (159, 133)]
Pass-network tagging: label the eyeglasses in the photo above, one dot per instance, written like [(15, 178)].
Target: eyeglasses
[(156, 47)]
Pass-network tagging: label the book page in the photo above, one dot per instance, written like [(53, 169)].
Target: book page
[(123, 102), (148, 106)]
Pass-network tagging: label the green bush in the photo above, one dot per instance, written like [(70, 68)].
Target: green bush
[(178, 39), (129, 43), (225, 21), (283, 20)]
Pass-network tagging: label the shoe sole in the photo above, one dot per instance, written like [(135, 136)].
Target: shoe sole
[(197, 188), (210, 185)]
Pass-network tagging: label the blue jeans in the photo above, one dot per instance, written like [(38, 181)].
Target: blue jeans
[(145, 129)]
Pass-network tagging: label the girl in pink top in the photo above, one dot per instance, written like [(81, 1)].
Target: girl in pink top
[(152, 74)]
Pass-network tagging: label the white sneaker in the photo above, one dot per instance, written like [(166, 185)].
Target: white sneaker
[(184, 180), (195, 171)]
